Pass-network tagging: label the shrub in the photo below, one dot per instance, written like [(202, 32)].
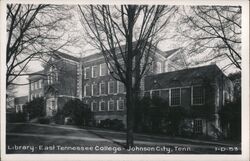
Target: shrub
[(78, 111), (112, 124), (44, 120), (35, 108), (16, 117)]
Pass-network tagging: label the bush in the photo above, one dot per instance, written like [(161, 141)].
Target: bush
[(16, 117), (78, 111), (44, 120), (35, 108), (154, 115), (112, 124)]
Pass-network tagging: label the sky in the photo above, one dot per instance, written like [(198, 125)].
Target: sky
[(81, 48)]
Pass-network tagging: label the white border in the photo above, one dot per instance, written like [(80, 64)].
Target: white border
[(129, 157)]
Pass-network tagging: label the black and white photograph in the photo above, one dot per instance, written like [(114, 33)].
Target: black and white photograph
[(157, 79)]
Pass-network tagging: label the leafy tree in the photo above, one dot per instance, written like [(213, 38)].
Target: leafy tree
[(78, 111), (35, 108), (127, 36)]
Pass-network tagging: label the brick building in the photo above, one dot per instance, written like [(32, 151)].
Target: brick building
[(202, 91), (57, 83), (105, 95)]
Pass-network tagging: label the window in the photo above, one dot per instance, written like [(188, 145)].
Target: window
[(111, 105), (94, 72), (120, 105), (111, 87), (53, 105), (93, 106), (31, 86), (121, 87), (95, 90), (31, 97), (102, 106), (52, 75), (87, 73), (37, 85), (198, 126), (102, 88), (103, 69), (175, 97), (87, 90), (198, 95)]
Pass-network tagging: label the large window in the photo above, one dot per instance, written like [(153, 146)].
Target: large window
[(111, 87), (120, 105), (198, 126), (103, 69), (94, 106), (52, 75), (102, 88), (198, 95), (87, 72), (87, 90), (121, 87), (111, 105), (95, 89), (175, 97), (101, 106), (94, 72)]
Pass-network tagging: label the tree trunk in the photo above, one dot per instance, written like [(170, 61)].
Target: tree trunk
[(130, 118), (129, 87)]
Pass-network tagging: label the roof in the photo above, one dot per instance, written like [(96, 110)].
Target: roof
[(183, 77), (36, 75), (157, 50), (67, 56), (170, 52)]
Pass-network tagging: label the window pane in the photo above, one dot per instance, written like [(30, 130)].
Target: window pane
[(102, 88), (95, 90), (120, 105), (87, 73), (111, 87), (198, 95), (121, 87), (88, 90), (111, 105), (103, 70), (94, 71), (175, 96), (102, 106), (198, 126)]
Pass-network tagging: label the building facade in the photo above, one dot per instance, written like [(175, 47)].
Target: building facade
[(105, 95), (202, 91)]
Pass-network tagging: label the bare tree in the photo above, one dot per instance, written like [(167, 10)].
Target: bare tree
[(32, 32), (127, 36), (214, 31)]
